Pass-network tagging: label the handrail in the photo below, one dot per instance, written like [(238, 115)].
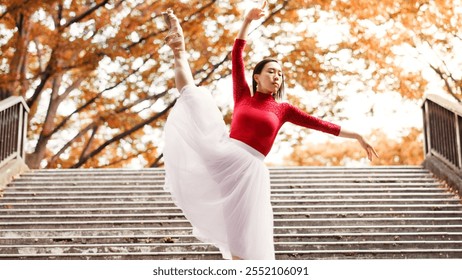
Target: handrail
[(11, 101), (443, 138), (451, 106), (13, 129)]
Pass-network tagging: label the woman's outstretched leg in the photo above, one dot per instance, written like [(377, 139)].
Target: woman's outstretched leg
[(175, 40)]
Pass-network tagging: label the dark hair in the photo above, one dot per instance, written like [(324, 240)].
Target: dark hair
[(258, 69)]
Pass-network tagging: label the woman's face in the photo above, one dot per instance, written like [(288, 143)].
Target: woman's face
[(270, 79)]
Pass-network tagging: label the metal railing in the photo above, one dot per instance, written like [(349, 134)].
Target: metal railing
[(13, 129), (443, 131)]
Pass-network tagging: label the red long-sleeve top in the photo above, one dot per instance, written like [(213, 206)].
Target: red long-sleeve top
[(258, 118)]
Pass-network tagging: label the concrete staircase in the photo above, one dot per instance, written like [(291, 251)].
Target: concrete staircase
[(320, 213)]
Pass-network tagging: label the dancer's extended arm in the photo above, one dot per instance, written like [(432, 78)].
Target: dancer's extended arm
[(299, 117)]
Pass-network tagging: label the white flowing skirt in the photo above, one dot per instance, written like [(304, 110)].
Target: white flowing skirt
[(221, 184)]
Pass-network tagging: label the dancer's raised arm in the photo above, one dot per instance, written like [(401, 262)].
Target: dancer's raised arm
[(253, 14)]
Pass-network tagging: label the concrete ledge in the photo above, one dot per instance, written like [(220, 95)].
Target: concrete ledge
[(11, 170), (444, 172)]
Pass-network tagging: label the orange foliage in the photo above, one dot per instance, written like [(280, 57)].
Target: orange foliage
[(97, 75), (405, 151)]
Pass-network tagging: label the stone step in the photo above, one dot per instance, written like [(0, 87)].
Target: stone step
[(104, 208), (173, 212), (16, 238), (214, 255), (128, 215), (159, 180), (370, 187), (436, 204), (181, 221), (156, 175), (365, 175), (197, 246), (177, 228), (279, 197), (273, 170), (14, 192), (137, 234), (274, 177)]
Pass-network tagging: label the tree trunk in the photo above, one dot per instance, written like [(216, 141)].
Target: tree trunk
[(34, 159)]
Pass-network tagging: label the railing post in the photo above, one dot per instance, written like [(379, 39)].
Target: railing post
[(426, 131), (19, 133), (459, 136), (24, 132)]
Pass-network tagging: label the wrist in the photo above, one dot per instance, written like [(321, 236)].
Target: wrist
[(247, 20)]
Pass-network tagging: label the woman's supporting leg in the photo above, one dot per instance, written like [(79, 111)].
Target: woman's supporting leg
[(175, 40), (183, 75)]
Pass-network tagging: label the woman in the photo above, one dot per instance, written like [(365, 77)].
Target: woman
[(218, 179)]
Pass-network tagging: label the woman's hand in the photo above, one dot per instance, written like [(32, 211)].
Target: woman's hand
[(256, 13), (252, 14), (369, 149), (364, 144)]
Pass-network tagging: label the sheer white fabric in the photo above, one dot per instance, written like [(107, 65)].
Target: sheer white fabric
[(221, 184)]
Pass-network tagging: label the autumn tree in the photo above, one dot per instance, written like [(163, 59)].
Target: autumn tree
[(402, 40), (98, 78), (409, 47)]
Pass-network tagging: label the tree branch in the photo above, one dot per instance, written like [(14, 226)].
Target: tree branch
[(12, 8), (84, 14), (92, 100), (43, 80), (156, 162), (69, 143), (90, 140), (122, 135), (121, 160)]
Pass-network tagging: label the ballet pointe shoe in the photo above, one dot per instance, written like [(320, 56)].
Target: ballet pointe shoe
[(174, 38)]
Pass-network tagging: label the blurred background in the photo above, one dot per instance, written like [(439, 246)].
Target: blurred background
[(99, 81)]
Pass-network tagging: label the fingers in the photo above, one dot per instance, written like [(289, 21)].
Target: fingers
[(262, 9), (371, 152), (256, 13), (375, 153), (368, 148)]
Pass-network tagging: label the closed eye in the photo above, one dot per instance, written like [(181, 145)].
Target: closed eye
[(272, 71)]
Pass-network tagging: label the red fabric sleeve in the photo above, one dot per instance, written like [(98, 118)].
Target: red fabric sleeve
[(240, 86), (298, 117)]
